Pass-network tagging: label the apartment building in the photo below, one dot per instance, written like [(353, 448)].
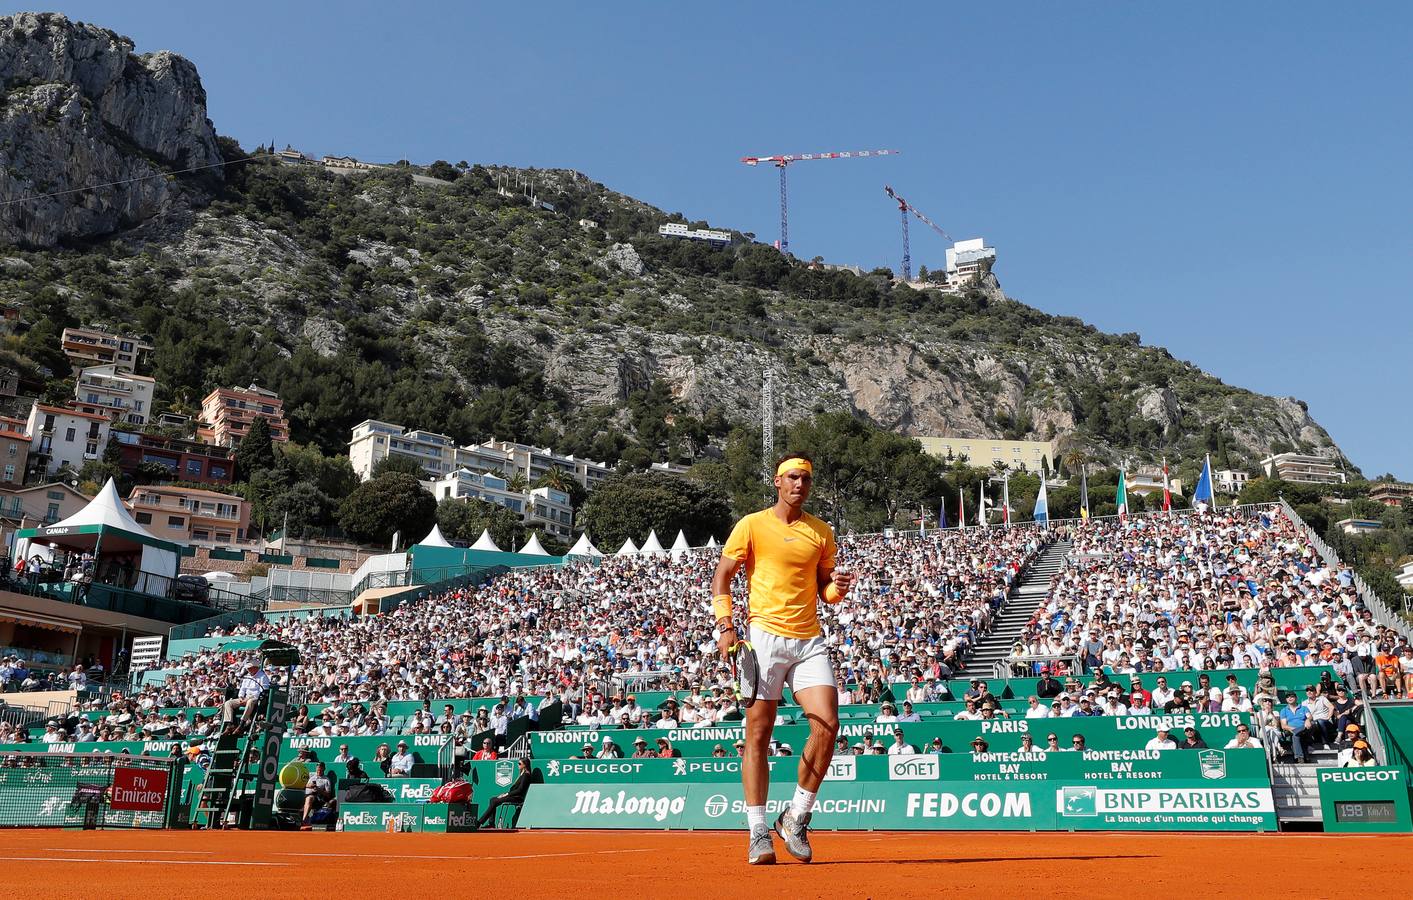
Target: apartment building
[(94, 346), (544, 508), (534, 462), (40, 503), (373, 441), (1390, 493), (14, 451), (1304, 469), (185, 460), (128, 396), (227, 413), (190, 515), (62, 436), (1230, 481)]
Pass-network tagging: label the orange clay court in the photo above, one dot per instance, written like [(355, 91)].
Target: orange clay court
[(242, 865)]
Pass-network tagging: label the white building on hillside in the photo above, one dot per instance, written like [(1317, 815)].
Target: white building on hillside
[(59, 435), (374, 441), (543, 507), (969, 260), (128, 395), (1230, 481), (1302, 468)]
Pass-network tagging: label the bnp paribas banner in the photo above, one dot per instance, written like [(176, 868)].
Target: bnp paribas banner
[(1003, 735), (1061, 766), (1116, 790)]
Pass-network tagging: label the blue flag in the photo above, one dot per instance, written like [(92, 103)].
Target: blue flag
[(1203, 492), (1042, 504), (942, 515)]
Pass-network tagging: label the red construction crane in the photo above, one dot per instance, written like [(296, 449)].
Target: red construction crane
[(781, 162), (904, 207)]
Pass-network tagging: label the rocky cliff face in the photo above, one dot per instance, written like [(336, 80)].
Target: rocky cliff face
[(81, 109)]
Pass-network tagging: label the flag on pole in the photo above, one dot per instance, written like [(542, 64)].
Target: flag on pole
[(1167, 493), (1121, 497), (1042, 504), (961, 509), (1083, 493), (1203, 492), (942, 514), (982, 504), (1006, 502)]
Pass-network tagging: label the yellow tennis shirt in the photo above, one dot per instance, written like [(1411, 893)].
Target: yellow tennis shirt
[(782, 570)]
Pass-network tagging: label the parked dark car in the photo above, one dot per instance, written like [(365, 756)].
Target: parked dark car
[(192, 588)]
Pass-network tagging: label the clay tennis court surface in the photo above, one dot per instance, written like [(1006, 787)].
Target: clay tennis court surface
[(260, 865)]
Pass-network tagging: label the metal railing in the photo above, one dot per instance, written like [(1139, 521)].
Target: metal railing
[(1367, 596)]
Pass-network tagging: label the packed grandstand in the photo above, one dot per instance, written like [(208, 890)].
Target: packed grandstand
[(1197, 594)]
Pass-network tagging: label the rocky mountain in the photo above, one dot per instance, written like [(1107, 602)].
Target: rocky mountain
[(529, 304), (80, 108)]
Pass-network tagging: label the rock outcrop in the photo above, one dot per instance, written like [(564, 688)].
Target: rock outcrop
[(80, 109)]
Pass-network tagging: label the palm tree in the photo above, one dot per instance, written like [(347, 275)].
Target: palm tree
[(517, 483), (554, 478)]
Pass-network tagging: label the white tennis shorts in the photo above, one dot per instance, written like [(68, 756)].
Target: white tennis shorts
[(799, 662)]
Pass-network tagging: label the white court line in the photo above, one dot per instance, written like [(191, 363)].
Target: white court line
[(139, 862), (114, 850), (399, 856)]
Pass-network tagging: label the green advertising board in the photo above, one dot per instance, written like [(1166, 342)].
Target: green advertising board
[(433, 817), (1002, 735), (1366, 798), (1178, 805), (1062, 766)]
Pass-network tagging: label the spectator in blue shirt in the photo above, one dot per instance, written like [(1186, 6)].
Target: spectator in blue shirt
[(1295, 722)]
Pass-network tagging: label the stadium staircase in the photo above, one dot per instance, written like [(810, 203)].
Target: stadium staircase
[(1025, 598)]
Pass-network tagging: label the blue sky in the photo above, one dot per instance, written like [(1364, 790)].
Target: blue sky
[(1229, 180)]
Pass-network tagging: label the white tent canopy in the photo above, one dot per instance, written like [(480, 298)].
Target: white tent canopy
[(533, 546), (434, 538), (584, 547), (680, 545), (628, 549), (485, 542), (128, 555), (711, 543), (652, 546)]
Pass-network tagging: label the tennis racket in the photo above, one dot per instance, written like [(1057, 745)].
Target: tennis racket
[(745, 671)]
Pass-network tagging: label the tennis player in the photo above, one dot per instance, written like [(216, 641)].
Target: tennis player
[(789, 560)]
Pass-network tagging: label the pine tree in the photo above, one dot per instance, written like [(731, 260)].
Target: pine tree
[(256, 451)]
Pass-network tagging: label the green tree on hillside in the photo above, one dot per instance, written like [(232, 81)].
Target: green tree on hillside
[(255, 452), (629, 506), (395, 502)]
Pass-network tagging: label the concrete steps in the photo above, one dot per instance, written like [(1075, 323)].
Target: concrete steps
[(1025, 598)]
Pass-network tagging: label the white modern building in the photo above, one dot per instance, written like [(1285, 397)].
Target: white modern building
[(542, 507), (374, 441), (60, 436), (678, 230), (968, 260), (1230, 481), (1304, 469), (129, 396)]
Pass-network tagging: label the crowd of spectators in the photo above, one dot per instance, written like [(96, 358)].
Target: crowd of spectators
[(1215, 591), (922, 602)]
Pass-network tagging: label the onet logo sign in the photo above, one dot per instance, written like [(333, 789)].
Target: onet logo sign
[(914, 768), (842, 768)]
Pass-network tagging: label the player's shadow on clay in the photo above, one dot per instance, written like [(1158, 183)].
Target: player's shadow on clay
[(959, 860)]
